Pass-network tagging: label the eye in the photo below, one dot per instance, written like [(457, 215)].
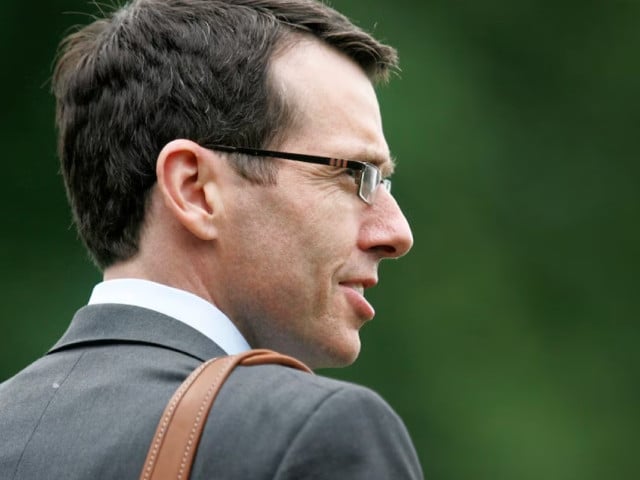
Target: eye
[(351, 172)]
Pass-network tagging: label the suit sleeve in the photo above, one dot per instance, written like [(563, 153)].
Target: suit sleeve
[(355, 435)]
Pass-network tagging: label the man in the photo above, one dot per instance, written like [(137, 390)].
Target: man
[(211, 246)]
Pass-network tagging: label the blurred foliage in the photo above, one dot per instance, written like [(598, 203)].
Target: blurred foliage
[(507, 339)]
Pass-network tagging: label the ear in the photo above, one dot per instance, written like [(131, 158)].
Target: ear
[(188, 183)]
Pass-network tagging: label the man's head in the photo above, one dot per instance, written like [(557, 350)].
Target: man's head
[(284, 248), (157, 70)]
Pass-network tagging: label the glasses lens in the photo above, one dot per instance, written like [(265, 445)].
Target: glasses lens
[(369, 182)]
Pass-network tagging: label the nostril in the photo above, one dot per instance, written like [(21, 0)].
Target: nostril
[(386, 250)]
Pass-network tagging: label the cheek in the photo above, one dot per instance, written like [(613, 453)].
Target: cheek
[(292, 247), (292, 275)]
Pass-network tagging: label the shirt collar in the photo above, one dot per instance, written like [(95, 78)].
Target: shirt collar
[(186, 307)]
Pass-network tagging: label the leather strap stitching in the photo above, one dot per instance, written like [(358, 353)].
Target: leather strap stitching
[(166, 418), (203, 406)]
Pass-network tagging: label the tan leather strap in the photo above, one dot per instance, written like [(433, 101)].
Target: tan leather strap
[(176, 440)]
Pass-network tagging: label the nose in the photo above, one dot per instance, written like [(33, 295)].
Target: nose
[(386, 231)]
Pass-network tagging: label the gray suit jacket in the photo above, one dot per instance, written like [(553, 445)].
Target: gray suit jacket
[(89, 408)]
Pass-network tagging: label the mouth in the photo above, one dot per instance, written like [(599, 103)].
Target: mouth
[(354, 291), (358, 287)]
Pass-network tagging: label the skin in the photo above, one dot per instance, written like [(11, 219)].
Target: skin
[(287, 263)]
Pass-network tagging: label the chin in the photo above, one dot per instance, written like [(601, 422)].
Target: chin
[(333, 357)]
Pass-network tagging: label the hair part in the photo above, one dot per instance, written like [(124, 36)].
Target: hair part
[(156, 70)]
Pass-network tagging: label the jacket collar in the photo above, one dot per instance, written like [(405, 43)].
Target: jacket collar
[(113, 323)]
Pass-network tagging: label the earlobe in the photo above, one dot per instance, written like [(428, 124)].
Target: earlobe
[(188, 185)]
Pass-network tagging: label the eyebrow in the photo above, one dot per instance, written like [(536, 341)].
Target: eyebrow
[(387, 171), (386, 163)]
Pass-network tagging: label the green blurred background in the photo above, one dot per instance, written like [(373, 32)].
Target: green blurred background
[(507, 339)]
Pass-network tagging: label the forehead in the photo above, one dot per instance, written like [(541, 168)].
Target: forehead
[(335, 108)]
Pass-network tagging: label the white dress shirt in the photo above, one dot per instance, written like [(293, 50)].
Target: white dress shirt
[(179, 304)]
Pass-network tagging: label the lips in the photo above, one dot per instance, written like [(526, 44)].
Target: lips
[(358, 287), (354, 291)]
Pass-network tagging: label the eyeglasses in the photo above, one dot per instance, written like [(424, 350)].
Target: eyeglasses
[(367, 176)]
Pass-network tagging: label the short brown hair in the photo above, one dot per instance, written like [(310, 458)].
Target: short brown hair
[(156, 70)]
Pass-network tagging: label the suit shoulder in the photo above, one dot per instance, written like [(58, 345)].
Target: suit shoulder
[(334, 429), (283, 382), (314, 403), (297, 422)]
